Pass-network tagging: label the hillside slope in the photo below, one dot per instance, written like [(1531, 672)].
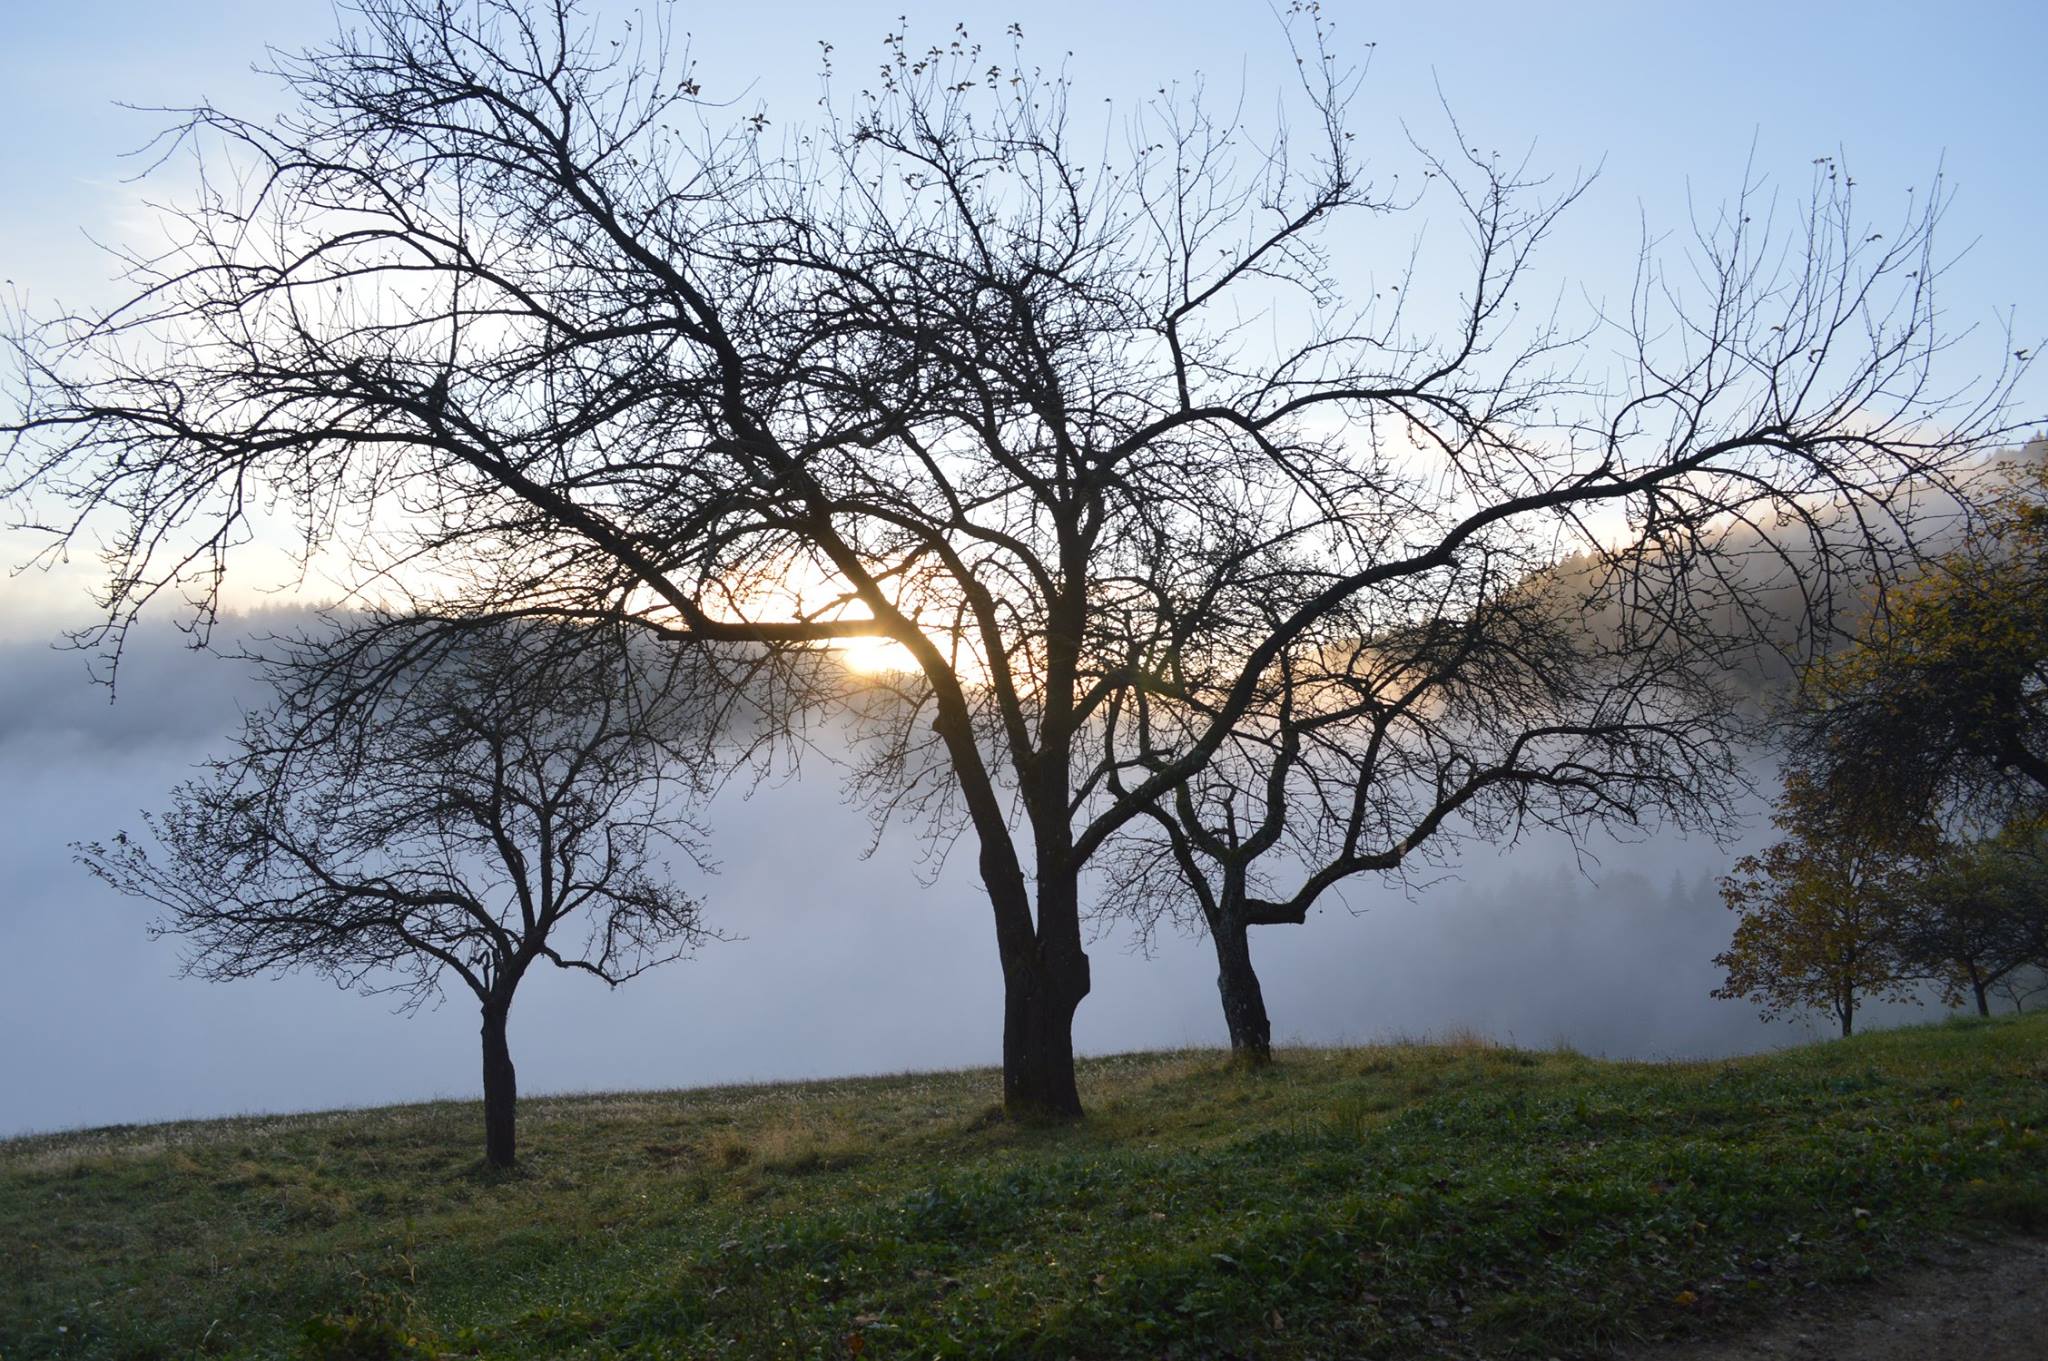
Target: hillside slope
[(1449, 1200)]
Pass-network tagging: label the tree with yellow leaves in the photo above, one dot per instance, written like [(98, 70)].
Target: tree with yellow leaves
[(1817, 929)]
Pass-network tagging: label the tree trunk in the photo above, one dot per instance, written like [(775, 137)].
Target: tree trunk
[(1980, 987), (1045, 970), (1045, 976), (1040, 994), (501, 1090), (1244, 1002)]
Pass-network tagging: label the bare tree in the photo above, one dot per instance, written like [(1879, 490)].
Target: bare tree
[(469, 812), (1466, 718), (2024, 985), (509, 312)]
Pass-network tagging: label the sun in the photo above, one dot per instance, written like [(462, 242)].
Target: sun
[(875, 656)]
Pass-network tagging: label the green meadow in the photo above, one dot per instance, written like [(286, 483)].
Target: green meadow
[(1406, 1200)]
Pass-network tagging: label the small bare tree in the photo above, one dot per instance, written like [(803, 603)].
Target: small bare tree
[(561, 337), (1463, 719), (468, 811)]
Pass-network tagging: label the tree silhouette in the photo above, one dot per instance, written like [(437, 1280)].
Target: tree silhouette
[(1976, 915), (1461, 721), (514, 315), (399, 818)]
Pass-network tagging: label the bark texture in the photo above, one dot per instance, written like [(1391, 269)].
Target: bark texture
[(501, 1092), (1040, 995), (1244, 1002)]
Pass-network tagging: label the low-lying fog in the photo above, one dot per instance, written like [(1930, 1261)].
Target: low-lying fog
[(842, 965)]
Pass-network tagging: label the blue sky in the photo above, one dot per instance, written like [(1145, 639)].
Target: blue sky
[(1665, 97), (1667, 101)]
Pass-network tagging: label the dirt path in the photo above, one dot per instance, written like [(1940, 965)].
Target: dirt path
[(1973, 1302)]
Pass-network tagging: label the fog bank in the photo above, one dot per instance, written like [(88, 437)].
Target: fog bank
[(838, 964)]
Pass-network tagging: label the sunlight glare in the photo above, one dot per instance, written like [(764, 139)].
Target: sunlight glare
[(875, 656)]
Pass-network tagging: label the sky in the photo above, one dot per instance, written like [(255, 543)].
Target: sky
[(847, 964)]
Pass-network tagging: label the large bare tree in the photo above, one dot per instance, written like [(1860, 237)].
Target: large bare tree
[(508, 312), (404, 815)]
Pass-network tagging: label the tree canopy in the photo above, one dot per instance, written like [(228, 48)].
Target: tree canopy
[(395, 822), (1976, 916), (1817, 913), (1940, 707)]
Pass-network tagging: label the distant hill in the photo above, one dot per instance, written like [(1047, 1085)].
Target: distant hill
[(1809, 614)]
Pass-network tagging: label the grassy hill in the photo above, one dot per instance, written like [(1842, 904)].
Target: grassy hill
[(1428, 1200)]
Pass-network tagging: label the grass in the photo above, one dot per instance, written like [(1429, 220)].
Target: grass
[(1395, 1201)]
